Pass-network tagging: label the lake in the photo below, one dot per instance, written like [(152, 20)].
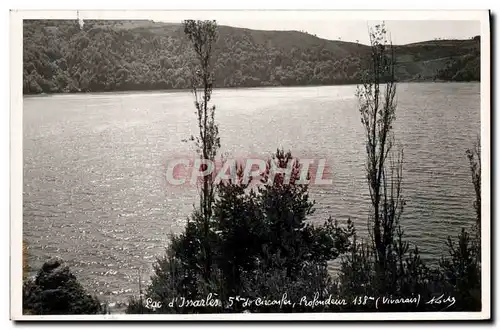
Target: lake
[(95, 191)]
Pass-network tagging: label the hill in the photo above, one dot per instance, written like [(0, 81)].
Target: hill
[(107, 55)]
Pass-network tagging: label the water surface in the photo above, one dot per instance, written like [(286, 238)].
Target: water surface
[(95, 192)]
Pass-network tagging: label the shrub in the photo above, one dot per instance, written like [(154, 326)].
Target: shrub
[(55, 290), (262, 246)]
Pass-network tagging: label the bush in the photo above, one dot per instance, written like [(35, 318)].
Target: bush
[(262, 246), (386, 266), (462, 273), (55, 290), (255, 242)]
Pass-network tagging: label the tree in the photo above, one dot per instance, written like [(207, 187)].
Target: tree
[(383, 165), (266, 228), (461, 271), (462, 268), (104, 47), (386, 264), (262, 246), (188, 270), (203, 35), (55, 290)]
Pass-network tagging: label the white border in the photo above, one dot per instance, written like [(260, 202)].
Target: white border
[(16, 161), (262, 14), (485, 92)]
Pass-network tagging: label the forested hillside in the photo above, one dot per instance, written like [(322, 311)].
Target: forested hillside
[(62, 56)]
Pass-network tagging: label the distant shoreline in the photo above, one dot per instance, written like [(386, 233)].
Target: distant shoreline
[(180, 90)]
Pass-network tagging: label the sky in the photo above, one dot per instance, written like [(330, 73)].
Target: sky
[(401, 32)]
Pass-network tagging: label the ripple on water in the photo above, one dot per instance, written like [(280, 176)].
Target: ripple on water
[(95, 193)]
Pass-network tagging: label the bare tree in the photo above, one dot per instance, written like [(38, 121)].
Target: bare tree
[(203, 35), (384, 165), (474, 156)]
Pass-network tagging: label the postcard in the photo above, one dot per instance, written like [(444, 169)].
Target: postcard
[(250, 165)]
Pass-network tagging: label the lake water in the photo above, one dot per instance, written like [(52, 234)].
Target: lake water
[(95, 192)]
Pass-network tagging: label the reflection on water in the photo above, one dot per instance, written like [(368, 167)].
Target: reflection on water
[(96, 195)]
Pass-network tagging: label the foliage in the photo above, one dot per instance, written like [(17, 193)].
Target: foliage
[(464, 68), (255, 241), (457, 275), (261, 242), (462, 271), (386, 266), (383, 167), (273, 283), (60, 56), (55, 290), (202, 36)]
